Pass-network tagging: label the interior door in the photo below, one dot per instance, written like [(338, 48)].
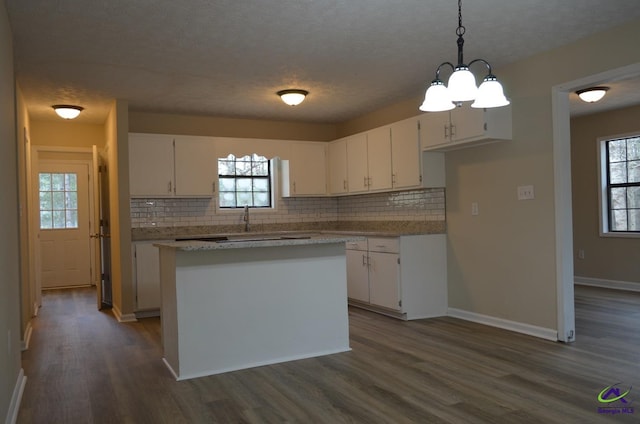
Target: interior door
[(63, 192), (101, 237)]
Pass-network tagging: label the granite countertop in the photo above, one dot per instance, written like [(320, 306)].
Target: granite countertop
[(259, 240), (363, 228)]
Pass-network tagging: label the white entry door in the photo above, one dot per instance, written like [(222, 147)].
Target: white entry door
[(65, 250)]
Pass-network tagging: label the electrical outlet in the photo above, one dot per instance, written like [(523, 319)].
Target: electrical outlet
[(474, 209), (525, 192), (581, 254)]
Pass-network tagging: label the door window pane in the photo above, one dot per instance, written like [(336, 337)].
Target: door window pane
[(58, 194)]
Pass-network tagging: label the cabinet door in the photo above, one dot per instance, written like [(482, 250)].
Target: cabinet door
[(379, 158), (434, 129), (308, 168), (338, 166), (151, 165), (147, 260), (357, 163), (196, 167), (467, 122), (405, 154), (357, 275), (384, 280)]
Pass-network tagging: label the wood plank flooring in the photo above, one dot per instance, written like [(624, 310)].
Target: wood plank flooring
[(84, 367)]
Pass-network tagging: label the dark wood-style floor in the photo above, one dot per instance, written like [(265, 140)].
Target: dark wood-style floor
[(84, 367)]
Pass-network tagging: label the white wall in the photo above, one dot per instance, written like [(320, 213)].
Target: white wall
[(9, 245)]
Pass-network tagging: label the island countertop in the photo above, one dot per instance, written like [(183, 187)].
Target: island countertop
[(257, 240)]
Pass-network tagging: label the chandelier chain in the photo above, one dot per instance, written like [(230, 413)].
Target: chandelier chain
[(461, 29)]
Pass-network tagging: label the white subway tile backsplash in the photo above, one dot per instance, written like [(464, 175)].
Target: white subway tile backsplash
[(414, 205)]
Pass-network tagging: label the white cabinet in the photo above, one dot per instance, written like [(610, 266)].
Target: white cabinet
[(405, 154), (146, 265), (171, 166), (151, 165), (357, 172), (196, 167), (305, 172), (464, 127), (357, 271), (338, 167), (404, 277), (369, 161)]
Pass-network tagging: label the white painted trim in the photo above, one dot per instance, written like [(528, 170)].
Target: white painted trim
[(173, 373), (562, 190), (607, 284), (565, 308), (150, 313), (256, 364), (518, 327), (123, 317), (26, 338), (16, 398)]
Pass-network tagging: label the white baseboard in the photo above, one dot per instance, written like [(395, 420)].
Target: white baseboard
[(151, 313), (518, 327), (607, 284), (26, 339), (123, 317), (16, 398)]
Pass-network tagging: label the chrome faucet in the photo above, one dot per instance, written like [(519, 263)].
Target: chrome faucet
[(246, 218)]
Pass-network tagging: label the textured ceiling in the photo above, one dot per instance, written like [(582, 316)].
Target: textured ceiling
[(229, 57)]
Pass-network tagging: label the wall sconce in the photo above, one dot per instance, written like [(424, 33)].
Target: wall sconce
[(67, 111)]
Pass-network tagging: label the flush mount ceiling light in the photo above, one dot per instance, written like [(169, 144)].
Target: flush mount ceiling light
[(67, 111), (592, 94), (462, 83), (292, 97)]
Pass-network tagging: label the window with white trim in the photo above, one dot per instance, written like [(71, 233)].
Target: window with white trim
[(620, 176), (244, 181)]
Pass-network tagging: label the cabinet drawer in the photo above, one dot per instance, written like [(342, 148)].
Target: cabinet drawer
[(386, 245), (357, 245)]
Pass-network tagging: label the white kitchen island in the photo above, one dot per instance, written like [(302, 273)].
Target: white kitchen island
[(239, 304)]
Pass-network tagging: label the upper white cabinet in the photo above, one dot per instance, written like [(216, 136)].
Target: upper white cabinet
[(151, 164), (167, 166), (196, 167), (405, 154), (465, 127), (379, 158), (369, 161), (305, 172), (338, 183)]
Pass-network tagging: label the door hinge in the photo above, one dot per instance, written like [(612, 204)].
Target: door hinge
[(400, 303), (485, 126), (398, 261), (102, 168)]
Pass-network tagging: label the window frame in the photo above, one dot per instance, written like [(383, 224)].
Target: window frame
[(604, 197), (270, 179), (53, 209)]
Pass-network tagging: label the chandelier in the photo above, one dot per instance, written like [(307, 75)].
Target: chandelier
[(461, 86)]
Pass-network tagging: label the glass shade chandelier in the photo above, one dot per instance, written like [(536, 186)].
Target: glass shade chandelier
[(461, 86), (67, 111)]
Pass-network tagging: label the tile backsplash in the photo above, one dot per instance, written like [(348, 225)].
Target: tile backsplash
[(409, 205)]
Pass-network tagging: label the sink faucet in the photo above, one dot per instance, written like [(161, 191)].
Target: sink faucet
[(246, 218)]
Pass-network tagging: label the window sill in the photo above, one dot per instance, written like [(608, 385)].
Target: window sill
[(620, 235)]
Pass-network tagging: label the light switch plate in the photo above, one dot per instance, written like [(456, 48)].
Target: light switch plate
[(474, 209), (525, 192)]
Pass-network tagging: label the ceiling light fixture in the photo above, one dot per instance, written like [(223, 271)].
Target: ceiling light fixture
[(462, 83), (67, 111), (592, 94), (292, 97)]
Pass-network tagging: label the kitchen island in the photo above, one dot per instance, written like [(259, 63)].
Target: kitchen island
[(235, 304)]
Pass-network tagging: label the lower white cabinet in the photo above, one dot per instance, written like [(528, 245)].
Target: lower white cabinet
[(404, 277), (146, 270)]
